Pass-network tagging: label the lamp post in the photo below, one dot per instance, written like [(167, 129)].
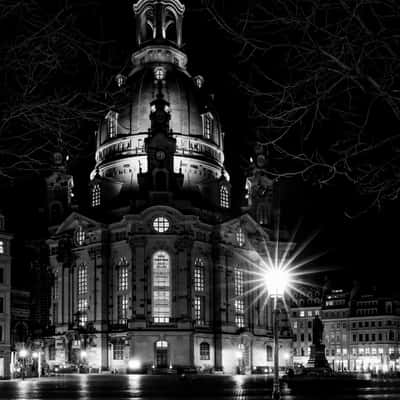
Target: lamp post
[(36, 356), (23, 353), (276, 279)]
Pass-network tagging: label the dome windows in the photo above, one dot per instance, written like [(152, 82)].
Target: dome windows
[(161, 224), (159, 73), (224, 198), (112, 124), (199, 81), (96, 195), (121, 80), (207, 126)]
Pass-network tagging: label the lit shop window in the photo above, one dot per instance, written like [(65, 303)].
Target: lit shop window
[(161, 288), (96, 195), (224, 197), (161, 224)]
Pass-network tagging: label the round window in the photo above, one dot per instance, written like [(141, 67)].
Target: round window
[(161, 224)]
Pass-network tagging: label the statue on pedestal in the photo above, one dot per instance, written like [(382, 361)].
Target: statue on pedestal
[(317, 360)]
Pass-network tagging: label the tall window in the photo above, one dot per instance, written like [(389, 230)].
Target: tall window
[(224, 197), (82, 294), (112, 122), (52, 350), (1, 275), (199, 310), (123, 275), (96, 195), (204, 351), (199, 279), (240, 237), (1, 333), (118, 350), (2, 247), (122, 309), (55, 287), (161, 288), (239, 301), (80, 236), (207, 126), (1, 305)]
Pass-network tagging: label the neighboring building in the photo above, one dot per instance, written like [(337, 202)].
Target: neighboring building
[(361, 330), (5, 300), (155, 273), (302, 312)]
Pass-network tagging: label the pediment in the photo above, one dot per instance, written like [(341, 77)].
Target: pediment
[(74, 220)]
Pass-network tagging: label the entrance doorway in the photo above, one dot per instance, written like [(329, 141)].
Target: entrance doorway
[(161, 355)]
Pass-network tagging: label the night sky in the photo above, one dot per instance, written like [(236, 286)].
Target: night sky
[(362, 248)]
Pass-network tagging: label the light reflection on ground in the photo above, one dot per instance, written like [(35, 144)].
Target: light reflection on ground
[(143, 387)]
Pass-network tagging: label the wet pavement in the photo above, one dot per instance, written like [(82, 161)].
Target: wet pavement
[(144, 387)]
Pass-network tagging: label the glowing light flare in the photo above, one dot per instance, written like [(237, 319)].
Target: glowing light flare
[(134, 364), (277, 280), (23, 353)]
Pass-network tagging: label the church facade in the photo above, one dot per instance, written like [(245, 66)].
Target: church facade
[(157, 273)]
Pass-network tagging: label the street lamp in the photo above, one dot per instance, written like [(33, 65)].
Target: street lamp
[(36, 356), (23, 353), (277, 279)]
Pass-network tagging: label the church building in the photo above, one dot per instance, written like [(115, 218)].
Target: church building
[(155, 274)]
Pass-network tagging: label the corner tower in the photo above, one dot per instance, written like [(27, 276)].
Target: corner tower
[(160, 66)]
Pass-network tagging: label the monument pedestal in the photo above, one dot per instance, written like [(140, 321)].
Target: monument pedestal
[(317, 360)]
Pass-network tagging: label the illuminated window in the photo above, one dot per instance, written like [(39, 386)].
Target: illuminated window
[(224, 197), (123, 275), (199, 81), (82, 280), (239, 301), (162, 344), (1, 305), (207, 126), (161, 288), (96, 195), (301, 313), (199, 275), (159, 73), (240, 237), (199, 310), (161, 224), (80, 236), (82, 312), (112, 124), (2, 247), (204, 351), (122, 309), (118, 350)]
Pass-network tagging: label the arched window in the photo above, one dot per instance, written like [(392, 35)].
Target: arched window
[(207, 126), (96, 195), (239, 300), (122, 274), (199, 275), (170, 27), (161, 355), (112, 124), (240, 237), (224, 196), (80, 236), (204, 351), (269, 353), (161, 288), (82, 294)]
